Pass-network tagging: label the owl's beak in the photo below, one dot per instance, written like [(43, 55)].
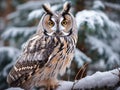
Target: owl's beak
[(58, 32)]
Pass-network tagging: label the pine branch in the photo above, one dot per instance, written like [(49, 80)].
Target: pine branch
[(99, 80), (113, 6)]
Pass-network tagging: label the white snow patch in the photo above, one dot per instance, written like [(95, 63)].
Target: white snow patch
[(13, 15), (115, 6), (14, 88), (35, 14), (102, 48), (98, 5), (90, 17), (96, 44), (9, 51), (118, 88), (97, 21), (7, 54), (31, 5), (65, 85), (39, 12), (99, 79), (7, 67), (100, 65), (56, 7), (13, 32), (81, 58)]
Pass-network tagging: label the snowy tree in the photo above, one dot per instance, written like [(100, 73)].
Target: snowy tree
[(97, 47), (99, 35), (8, 56)]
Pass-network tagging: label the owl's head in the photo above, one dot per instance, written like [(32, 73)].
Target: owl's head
[(57, 24)]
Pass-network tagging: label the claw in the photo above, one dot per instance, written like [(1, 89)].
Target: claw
[(50, 84)]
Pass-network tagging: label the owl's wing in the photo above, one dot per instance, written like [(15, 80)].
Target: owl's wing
[(34, 57)]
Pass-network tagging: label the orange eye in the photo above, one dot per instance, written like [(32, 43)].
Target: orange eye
[(51, 23), (64, 22)]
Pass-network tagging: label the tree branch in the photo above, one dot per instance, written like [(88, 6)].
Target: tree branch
[(108, 79), (99, 80)]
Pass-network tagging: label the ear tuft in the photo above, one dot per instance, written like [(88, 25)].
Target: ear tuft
[(66, 7), (47, 8)]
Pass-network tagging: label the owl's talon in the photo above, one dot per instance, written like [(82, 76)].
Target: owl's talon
[(53, 84)]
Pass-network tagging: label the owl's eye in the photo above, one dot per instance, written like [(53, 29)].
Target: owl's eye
[(64, 22), (51, 23)]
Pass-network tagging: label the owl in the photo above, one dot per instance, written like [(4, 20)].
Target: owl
[(48, 52)]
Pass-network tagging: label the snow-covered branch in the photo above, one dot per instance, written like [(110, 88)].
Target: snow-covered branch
[(31, 5), (108, 79), (81, 58), (113, 6), (103, 49), (39, 12), (99, 80), (14, 32)]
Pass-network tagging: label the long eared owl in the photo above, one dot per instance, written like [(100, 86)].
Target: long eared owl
[(47, 53)]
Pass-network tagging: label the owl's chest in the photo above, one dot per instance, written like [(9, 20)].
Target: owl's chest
[(61, 56), (62, 49)]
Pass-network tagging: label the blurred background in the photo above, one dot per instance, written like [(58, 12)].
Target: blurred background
[(98, 21)]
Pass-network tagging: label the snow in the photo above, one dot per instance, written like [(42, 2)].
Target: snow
[(65, 85), (81, 58), (35, 14), (113, 5), (96, 44), (103, 49), (39, 12), (96, 80), (31, 5), (118, 88), (115, 43), (56, 7), (98, 22), (99, 79), (13, 15), (98, 5), (13, 32), (7, 68), (7, 55), (99, 65), (102, 34), (108, 47), (90, 17), (9, 52), (14, 88)]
